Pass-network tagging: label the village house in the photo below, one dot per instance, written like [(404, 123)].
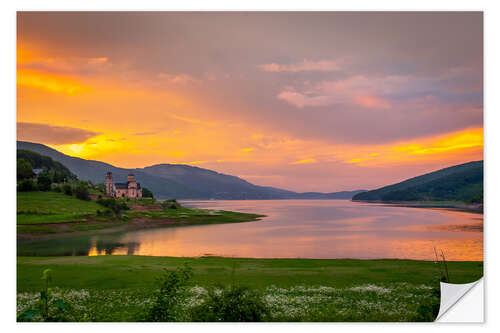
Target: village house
[(130, 189), (36, 172)]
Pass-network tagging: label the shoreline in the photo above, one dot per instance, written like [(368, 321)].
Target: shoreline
[(471, 208), (60, 230)]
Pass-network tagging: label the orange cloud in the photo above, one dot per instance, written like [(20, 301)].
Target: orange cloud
[(100, 60), (467, 139), (305, 161), (50, 82), (468, 142)]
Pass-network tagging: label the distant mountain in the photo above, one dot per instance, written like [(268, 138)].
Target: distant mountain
[(95, 172), (177, 180), (462, 182)]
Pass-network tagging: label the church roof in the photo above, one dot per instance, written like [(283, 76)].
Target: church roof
[(124, 186)]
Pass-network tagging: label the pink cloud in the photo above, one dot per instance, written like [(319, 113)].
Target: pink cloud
[(372, 102), (358, 90), (178, 79), (303, 66), (301, 100)]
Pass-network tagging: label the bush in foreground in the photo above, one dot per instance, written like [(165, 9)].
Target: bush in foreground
[(48, 308), (233, 304), (169, 299)]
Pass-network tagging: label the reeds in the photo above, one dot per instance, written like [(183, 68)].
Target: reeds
[(441, 260)]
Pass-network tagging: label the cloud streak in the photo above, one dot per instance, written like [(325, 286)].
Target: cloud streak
[(57, 135), (303, 66)]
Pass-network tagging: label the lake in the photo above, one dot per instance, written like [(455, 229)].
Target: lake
[(295, 229)]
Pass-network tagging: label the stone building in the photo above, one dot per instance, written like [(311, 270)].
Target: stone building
[(130, 189)]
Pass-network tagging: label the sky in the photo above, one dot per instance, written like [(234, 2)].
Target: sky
[(315, 101)]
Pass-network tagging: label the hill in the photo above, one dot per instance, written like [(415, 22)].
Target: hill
[(462, 182), (178, 181), (37, 161)]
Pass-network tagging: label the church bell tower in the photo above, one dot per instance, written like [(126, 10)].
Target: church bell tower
[(109, 183)]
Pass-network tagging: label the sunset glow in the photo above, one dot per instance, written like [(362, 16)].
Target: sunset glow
[(277, 109)]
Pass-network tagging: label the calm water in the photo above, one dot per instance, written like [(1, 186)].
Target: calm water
[(294, 229)]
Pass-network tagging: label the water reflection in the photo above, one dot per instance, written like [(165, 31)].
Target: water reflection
[(101, 247), (295, 229)]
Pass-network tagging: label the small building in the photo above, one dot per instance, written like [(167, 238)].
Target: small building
[(130, 189), (36, 172)]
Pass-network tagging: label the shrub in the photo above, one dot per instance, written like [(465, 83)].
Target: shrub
[(56, 188), (67, 189), (429, 309), (100, 187), (105, 212), (44, 181), (146, 193), (170, 204), (233, 304), (168, 300), (81, 192), (115, 205), (26, 185)]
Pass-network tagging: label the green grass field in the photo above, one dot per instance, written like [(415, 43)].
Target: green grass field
[(52, 207), (120, 288), (117, 272)]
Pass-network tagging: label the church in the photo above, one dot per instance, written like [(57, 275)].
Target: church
[(130, 189)]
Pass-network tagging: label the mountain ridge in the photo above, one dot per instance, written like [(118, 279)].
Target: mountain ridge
[(179, 181), (461, 182)]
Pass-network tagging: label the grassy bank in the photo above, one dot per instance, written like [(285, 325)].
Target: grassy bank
[(52, 207), (49, 213), (120, 288)]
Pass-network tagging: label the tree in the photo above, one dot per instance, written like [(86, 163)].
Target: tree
[(81, 192), (101, 188), (24, 169), (58, 177), (67, 189), (146, 193), (44, 181)]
